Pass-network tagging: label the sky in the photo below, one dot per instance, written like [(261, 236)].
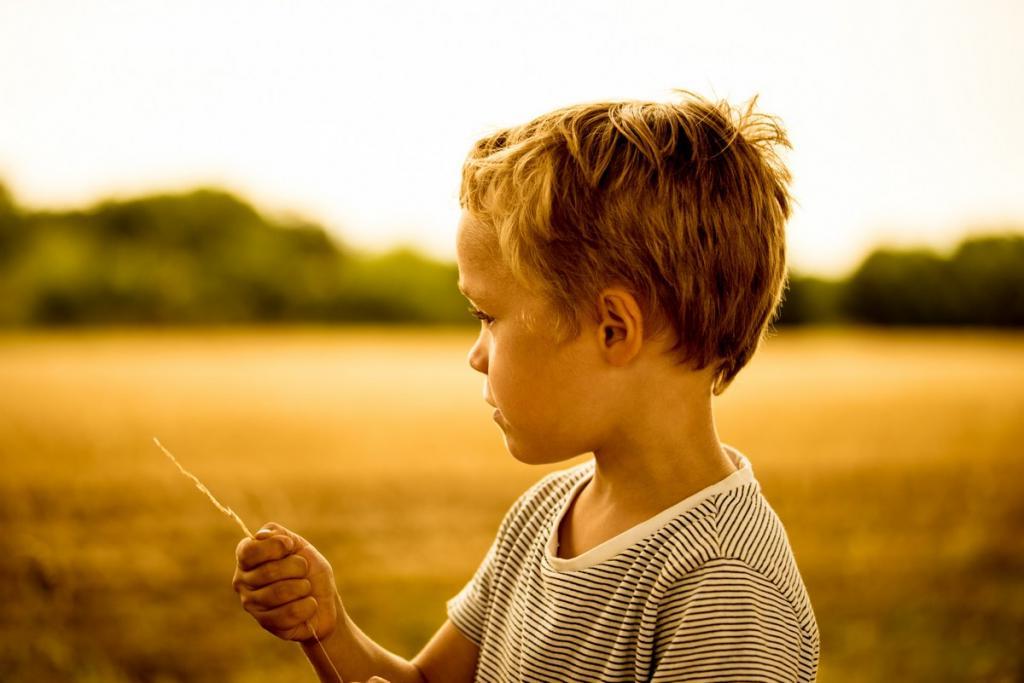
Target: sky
[(904, 117)]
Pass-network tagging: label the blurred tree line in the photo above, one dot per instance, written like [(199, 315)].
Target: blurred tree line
[(204, 257), (208, 257), (980, 284)]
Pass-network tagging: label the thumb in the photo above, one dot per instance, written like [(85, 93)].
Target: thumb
[(293, 541), (376, 679)]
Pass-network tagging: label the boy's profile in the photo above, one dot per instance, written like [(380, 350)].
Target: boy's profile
[(626, 260)]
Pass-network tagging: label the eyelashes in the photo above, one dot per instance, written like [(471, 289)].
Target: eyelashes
[(480, 315)]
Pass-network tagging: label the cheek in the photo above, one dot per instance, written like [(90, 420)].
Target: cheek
[(531, 388), (506, 371), (517, 374)]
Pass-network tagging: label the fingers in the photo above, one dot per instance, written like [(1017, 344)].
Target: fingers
[(291, 567), (276, 594), (252, 552), (287, 621)]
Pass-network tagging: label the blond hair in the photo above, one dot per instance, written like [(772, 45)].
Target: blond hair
[(684, 203)]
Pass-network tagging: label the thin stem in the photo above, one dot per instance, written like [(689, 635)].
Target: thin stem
[(231, 513)]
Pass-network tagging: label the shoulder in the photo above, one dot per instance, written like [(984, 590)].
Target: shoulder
[(737, 617), (740, 557), (749, 531), (736, 523), (733, 620)]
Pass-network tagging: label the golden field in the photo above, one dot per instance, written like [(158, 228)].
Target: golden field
[(893, 458)]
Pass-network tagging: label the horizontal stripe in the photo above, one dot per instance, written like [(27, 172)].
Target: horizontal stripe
[(705, 590)]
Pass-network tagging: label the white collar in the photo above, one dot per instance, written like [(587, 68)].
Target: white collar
[(744, 474)]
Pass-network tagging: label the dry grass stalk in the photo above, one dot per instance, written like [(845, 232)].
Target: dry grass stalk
[(199, 485), (231, 513)]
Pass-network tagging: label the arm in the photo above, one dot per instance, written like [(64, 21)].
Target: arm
[(288, 586), (449, 656)]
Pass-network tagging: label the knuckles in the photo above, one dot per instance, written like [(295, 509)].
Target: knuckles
[(250, 553)]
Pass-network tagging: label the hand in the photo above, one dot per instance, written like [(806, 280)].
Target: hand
[(284, 582)]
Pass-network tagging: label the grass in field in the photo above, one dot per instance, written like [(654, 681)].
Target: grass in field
[(894, 460)]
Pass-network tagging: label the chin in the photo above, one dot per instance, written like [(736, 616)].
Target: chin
[(534, 455)]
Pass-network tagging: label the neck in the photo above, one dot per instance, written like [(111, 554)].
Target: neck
[(658, 458)]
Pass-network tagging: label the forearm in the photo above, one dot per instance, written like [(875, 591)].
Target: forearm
[(357, 656)]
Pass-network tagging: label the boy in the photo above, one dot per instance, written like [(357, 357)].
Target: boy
[(625, 259)]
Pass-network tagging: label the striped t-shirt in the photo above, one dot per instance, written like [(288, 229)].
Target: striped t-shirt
[(707, 590)]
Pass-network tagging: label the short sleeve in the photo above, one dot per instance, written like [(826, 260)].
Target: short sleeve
[(468, 609), (472, 607), (731, 624)]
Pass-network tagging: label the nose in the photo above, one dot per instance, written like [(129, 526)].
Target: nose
[(478, 355)]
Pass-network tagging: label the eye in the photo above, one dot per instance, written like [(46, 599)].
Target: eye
[(480, 315)]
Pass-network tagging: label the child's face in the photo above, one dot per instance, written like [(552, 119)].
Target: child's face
[(553, 399)]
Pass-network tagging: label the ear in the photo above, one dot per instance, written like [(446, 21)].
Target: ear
[(621, 328)]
